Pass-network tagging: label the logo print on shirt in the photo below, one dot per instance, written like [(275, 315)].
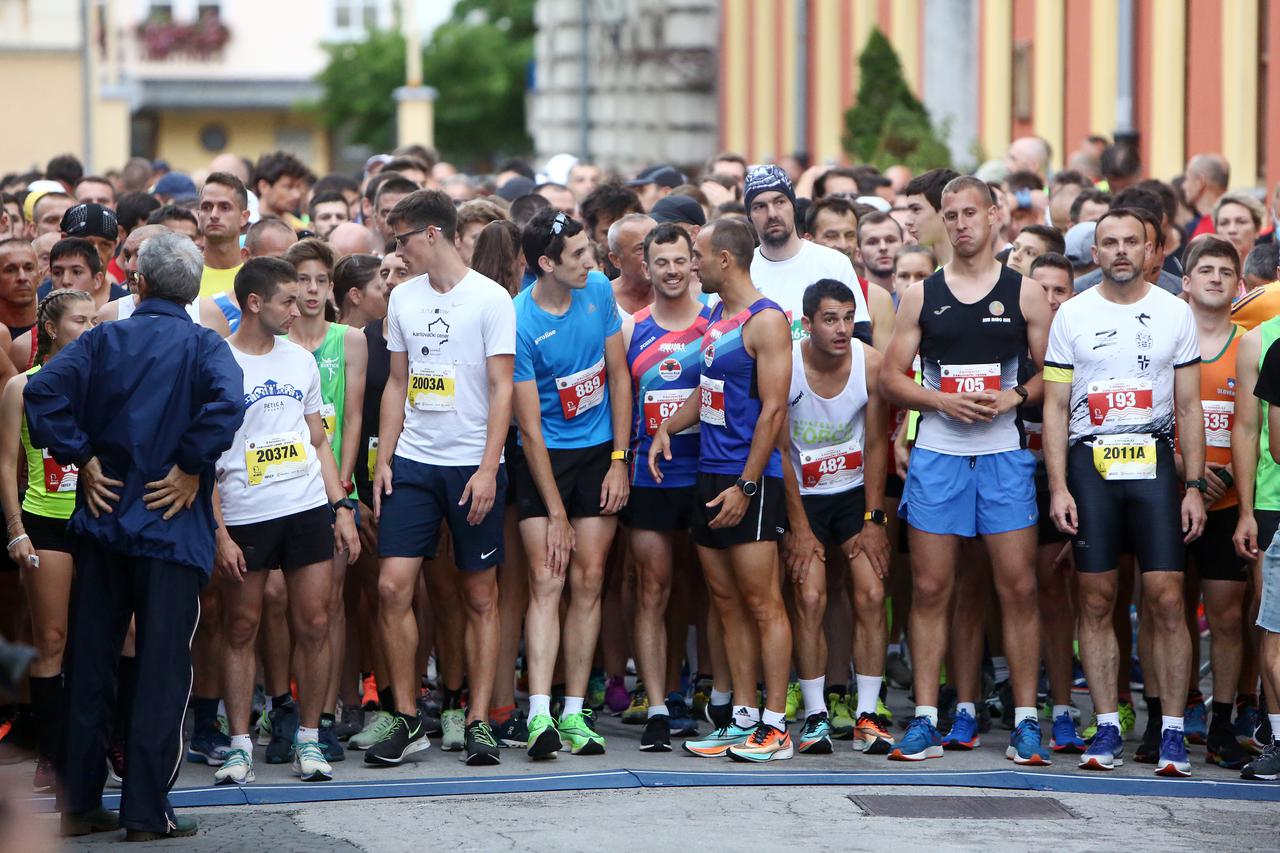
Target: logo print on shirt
[(330, 364), (1143, 362), (271, 389), (1104, 339), (670, 369), (709, 354), (438, 328), (996, 308), (1143, 318), (940, 311), (1144, 340)]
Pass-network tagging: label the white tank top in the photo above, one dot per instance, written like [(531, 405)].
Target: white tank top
[(826, 434), (129, 302)]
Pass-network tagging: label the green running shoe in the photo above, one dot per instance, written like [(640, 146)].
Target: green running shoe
[(264, 728), (637, 713), (1127, 718), (376, 726), (716, 744), (578, 734), (596, 684), (842, 722), (793, 701), (453, 724), (882, 710), (544, 739)]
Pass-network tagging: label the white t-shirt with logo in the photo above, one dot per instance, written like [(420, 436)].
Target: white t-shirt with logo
[(447, 337), (271, 470), (786, 281)]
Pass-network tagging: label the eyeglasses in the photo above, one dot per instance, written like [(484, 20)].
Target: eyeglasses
[(401, 239)]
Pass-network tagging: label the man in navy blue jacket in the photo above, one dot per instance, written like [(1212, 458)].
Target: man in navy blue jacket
[(144, 407)]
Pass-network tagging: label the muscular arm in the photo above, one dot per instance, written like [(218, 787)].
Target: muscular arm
[(1245, 426), (1186, 397), (896, 384), (1057, 400), (767, 338), (357, 360), (880, 304), (1036, 311), (211, 317), (615, 361), (11, 453), (875, 434)]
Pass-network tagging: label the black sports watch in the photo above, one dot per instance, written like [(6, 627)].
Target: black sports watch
[(345, 503), (749, 487), (1202, 484), (1021, 391), (876, 516)]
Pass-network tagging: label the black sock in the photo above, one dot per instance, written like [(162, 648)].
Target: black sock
[(205, 712), (702, 676), (384, 699), (282, 700), (47, 702), (838, 689), (327, 718), (1221, 715), (557, 691), (126, 686), (452, 699), (1247, 700), (1154, 713)]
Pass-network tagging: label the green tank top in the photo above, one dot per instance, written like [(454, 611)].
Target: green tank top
[(51, 488), (331, 358), (1266, 486)]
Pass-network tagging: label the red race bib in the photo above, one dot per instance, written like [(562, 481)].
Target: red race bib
[(1120, 402), (660, 405), (711, 410), (582, 390), (830, 466), (58, 479), (970, 378)]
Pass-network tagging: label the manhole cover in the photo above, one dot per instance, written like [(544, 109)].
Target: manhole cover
[(975, 808)]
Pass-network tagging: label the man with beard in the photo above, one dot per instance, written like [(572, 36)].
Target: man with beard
[(833, 222)]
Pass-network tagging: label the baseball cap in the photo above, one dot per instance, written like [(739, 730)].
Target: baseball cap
[(90, 220), (516, 187), (176, 186), (663, 176), (1079, 240), (678, 208)]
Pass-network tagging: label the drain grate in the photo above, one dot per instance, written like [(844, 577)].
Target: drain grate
[(960, 808)]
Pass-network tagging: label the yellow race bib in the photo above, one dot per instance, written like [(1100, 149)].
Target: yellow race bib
[(373, 455), (274, 458), (432, 388), (1125, 457)]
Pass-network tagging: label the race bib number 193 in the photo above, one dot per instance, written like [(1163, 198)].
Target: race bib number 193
[(1120, 402)]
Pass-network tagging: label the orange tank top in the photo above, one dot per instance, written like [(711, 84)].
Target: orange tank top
[(1218, 399)]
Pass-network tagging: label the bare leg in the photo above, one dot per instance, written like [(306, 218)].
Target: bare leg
[(933, 560)]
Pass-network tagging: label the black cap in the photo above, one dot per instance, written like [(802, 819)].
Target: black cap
[(678, 208), (663, 176), (90, 220), (516, 187)]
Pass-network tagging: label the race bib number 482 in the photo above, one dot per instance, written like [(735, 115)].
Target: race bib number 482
[(581, 391), (830, 466), (1120, 402)]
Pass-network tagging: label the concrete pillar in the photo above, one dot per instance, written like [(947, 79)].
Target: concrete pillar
[(415, 115)]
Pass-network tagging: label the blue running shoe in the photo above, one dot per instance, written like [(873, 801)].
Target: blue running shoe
[(1248, 718), (1024, 745), (1106, 752), (210, 747), (1173, 755), (682, 722), (1079, 684), (1064, 738), (963, 733), (1136, 680), (921, 740), (1195, 722)]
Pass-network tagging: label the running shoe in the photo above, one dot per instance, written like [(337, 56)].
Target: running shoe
[(406, 736), (453, 724), (309, 762), (882, 710), (1195, 722), (1064, 738), (616, 698), (815, 737), (351, 723), (1266, 767), (1128, 718), (596, 686), (576, 731), (1024, 745), (719, 716), (1247, 719), (209, 746), (1224, 750), (842, 722), (264, 728), (637, 713), (236, 770), (920, 741), (1261, 735), (718, 742), (765, 744), (682, 722), (329, 743), (482, 749), (657, 734), (369, 693), (514, 733), (544, 739), (871, 735), (376, 726), (1106, 752), (701, 696), (284, 727), (1136, 681), (1148, 751), (115, 765), (46, 776), (1079, 684), (1173, 760), (963, 733), (794, 700), (897, 671)]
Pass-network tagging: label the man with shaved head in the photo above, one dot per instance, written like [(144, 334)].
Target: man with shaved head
[(1029, 154), (1205, 181), (352, 238)]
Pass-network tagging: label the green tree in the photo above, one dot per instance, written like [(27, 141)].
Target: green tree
[(887, 123), (476, 61)]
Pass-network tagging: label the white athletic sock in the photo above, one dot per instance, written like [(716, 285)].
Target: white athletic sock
[(1109, 719), (658, 710), (1059, 710), (572, 705), (966, 708), (721, 697), (222, 708), (242, 742), (814, 700), (868, 693), (777, 719), (539, 703), (1000, 664), (1274, 719), (746, 718), (1167, 723), (306, 735), (1020, 714), (930, 711)]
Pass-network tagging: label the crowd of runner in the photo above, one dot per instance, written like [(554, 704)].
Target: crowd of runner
[(715, 455)]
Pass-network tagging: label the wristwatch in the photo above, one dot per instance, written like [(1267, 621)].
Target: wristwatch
[(749, 487), (1202, 484), (876, 516), (345, 503), (1021, 391), (624, 456)]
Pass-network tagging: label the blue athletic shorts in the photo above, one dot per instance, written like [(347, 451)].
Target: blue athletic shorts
[(1269, 606), (422, 496), (969, 495)]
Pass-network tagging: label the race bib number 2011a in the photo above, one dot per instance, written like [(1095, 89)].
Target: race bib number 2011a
[(1125, 457)]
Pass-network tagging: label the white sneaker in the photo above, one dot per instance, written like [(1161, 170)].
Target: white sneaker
[(309, 763), (236, 769), (454, 726)]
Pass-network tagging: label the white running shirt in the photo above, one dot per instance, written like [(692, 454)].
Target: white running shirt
[(827, 434), (786, 281)]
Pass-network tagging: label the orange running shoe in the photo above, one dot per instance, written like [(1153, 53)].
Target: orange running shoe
[(871, 735), (765, 744), (369, 693)]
